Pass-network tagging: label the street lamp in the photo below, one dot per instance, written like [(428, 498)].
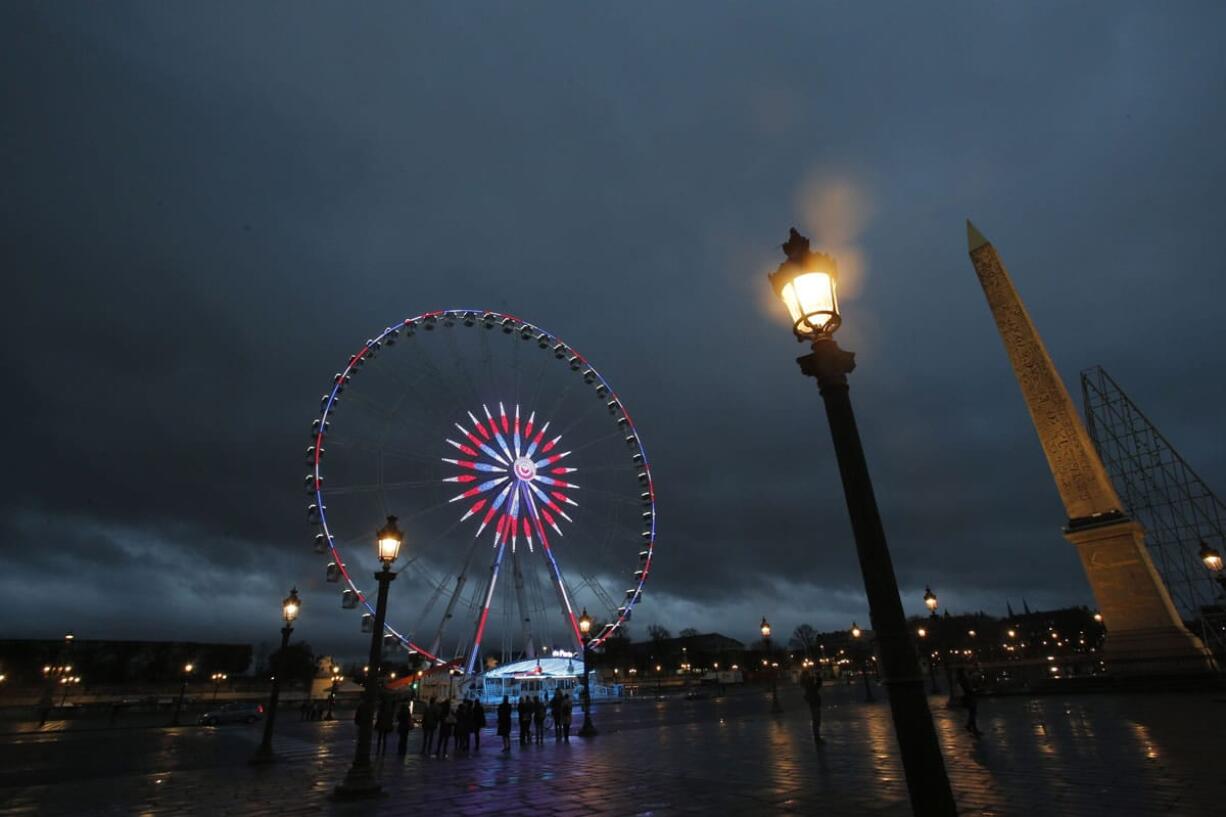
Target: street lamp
[(187, 672), (360, 781), (585, 631), (336, 680), (291, 605), (806, 283), (930, 601), (217, 678), (856, 632), (765, 629)]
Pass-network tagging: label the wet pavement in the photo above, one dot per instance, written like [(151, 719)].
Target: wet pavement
[(1077, 755)]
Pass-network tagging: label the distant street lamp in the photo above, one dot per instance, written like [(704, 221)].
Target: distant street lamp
[(922, 632), (291, 605), (930, 601), (187, 672), (806, 283), (856, 632), (585, 631), (360, 781), (336, 682), (217, 678), (765, 629)]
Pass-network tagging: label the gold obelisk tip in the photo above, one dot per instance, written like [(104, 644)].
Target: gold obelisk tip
[(974, 238)]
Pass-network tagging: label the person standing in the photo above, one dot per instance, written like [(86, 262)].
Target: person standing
[(568, 707), (813, 697), (383, 724), (538, 719), (555, 707), (504, 723), (970, 701), (478, 722), (525, 720), (404, 725), (429, 723), (463, 725), (446, 728)]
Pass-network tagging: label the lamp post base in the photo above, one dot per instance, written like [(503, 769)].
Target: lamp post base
[(262, 757), (359, 784), (776, 708), (588, 731)]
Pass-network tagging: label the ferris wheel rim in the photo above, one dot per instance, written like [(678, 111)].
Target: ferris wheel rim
[(488, 319)]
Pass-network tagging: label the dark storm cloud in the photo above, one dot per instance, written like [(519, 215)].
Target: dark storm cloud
[(206, 206)]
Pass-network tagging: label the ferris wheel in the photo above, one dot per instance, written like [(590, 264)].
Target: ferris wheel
[(518, 476)]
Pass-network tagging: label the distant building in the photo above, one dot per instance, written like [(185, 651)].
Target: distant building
[(120, 662)]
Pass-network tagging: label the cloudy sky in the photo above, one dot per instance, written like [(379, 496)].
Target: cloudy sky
[(206, 207)]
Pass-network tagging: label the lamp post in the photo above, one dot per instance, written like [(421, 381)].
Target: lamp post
[(217, 678), (930, 601), (187, 672), (765, 629), (856, 632), (291, 605), (336, 680), (360, 781), (585, 630), (806, 282)]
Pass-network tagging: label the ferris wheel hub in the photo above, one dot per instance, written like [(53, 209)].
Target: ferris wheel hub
[(525, 469)]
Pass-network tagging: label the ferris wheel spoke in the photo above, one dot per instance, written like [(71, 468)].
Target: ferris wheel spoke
[(374, 487)]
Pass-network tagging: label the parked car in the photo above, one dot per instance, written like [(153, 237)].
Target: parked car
[(233, 713)]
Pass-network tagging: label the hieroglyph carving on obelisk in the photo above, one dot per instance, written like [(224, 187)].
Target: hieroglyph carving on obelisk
[(1080, 477)]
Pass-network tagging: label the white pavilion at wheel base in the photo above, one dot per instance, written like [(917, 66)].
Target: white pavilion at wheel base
[(537, 676)]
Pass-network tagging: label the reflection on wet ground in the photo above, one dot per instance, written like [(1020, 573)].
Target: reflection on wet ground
[(1122, 755)]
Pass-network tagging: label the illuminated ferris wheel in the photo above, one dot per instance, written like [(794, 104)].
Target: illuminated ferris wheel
[(515, 470)]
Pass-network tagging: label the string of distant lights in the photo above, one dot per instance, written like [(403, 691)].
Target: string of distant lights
[(518, 481)]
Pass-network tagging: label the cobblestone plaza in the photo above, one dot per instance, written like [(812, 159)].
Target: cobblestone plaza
[(1074, 755)]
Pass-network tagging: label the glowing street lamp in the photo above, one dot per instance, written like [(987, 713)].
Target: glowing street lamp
[(360, 781), (856, 632), (390, 540), (585, 631), (187, 672), (765, 629), (291, 606), (930, 600), (806, 283)]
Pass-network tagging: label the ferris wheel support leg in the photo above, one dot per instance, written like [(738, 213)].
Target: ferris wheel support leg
[(555, 575), (525, 620), (485, 610)]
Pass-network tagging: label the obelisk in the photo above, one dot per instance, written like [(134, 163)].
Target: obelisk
[(1144, 631)]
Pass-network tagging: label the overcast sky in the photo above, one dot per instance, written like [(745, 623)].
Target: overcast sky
[(206, 207)]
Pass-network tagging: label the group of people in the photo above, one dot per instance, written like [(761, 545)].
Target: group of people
[(390, 715), (443, 725), (458, 727), (531, 712)]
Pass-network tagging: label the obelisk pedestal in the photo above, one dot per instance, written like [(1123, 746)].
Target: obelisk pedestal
[(1144, 631)]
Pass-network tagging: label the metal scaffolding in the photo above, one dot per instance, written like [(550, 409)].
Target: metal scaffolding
[(1162, 492)]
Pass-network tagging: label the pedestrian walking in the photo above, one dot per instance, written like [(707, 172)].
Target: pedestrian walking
[(970, 701), (478, 721), (504, 723), (429, 723), (446, 728), (568, 707), (305, 710), (538, 719), (525, 720), (813, 697), (383, 724), (555, 708), (404, 725)]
